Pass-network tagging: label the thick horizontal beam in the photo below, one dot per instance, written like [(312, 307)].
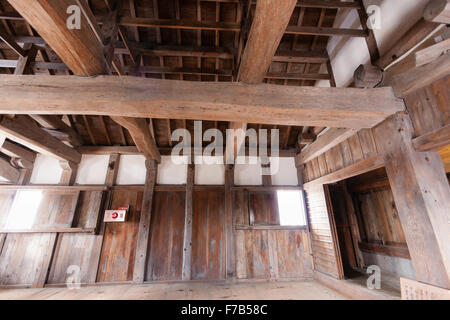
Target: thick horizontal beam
[(174, 50), (24, 131), (177, 24), (301, 57), (388, 250), (203, 71), (324, 142), (164, 151), (433, 140), (323, 31), (297, 76), (221, 101)]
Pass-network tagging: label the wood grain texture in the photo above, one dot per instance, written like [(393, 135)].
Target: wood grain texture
[(422, 195), (269, 24), (79, 49), (140, 97), (25, 132)]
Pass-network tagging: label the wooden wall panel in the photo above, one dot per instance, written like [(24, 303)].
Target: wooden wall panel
[(23, 256), (6, 202), (165, 259), (79, 250), (323, 243), (264, 208), (272, 254), (119, 243), (56, 209), (208, 238)]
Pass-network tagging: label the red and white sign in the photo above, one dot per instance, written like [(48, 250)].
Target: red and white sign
[(115, 215)]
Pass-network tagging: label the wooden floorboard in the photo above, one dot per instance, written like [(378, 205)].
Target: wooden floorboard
[(297, 290)]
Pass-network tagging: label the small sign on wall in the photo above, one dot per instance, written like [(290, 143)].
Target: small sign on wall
[(115, 215)]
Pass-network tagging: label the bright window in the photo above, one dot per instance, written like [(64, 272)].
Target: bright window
[(291, 208), (24, 209)]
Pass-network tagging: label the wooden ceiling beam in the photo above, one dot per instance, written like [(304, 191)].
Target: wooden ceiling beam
[(25, 131), (13, 150), (269, 24), (54, 122), (221, 101), (80, 50), (140, 132)]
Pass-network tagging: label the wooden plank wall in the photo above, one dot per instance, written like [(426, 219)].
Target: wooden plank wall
[(108, 256), (24, 256), (358, 147), (325, 249), (165, 259), (208, 235), (119, 241), (266, 253)]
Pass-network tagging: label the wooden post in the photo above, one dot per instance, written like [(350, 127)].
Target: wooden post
[(229, 232), (69, 173), (354, 227), (189, 208), (300, 171), (144, 222), (422, 196)]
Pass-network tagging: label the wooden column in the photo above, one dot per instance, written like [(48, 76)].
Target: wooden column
[(69, 173), (422, 196), (300, 179), (144, 222), (189, 210), (229, 228)]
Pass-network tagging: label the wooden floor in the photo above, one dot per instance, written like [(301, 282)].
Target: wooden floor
[(298, 290)]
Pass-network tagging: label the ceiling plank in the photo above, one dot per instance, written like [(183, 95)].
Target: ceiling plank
[(25, 131), (173, 99)]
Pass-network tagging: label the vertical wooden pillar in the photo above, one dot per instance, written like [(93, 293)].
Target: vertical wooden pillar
[(69, 173), (422, 196), (230, 256), (144, 222), (354, 227), (189, 210), (300, 180), (110, 181)]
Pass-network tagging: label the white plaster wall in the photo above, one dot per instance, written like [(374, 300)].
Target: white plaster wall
[(210, 172), (248, 174), (46, 170), (286, 175), (92, 169), (172, 172), (131, 170), (397, 16)]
